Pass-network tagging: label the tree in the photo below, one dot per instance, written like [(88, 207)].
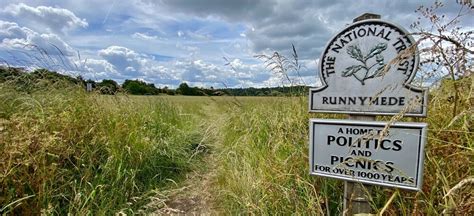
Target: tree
[(138, 87), (184, 89), (108, 86)]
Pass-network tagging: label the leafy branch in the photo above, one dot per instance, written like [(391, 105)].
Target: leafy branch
[(355, 53)]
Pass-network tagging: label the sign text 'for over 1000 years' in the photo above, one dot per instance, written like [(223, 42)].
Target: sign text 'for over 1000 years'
[(367, 152)]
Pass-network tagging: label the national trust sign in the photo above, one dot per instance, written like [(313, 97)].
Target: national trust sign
[(367, 69)]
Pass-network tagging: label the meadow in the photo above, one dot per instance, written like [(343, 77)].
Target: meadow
[(66, 151)]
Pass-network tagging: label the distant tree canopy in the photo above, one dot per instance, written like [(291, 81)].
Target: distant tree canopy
[(35, 80), (138, 87), (269, 91), (30, 81), (184, 89), (108, 86)]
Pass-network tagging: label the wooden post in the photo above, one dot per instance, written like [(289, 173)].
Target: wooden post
[(356, 195)]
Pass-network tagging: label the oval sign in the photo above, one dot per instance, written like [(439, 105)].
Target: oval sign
[(367, 69)]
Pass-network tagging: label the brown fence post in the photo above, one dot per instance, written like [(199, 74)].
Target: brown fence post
[(357, 195)]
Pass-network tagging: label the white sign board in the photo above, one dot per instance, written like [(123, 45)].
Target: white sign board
[(364, 70), (89, 87), (355, 151)]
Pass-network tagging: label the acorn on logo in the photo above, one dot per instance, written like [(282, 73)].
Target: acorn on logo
[(369, 72)]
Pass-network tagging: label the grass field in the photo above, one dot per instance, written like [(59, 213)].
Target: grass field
[(68, 151)]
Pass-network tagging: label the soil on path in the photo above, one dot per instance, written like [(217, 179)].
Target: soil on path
[(194, 198)]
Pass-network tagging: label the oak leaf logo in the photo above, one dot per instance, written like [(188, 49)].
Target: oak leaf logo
[(363, 71)]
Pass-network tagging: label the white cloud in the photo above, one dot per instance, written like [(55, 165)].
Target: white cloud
[(130, 64), (144, 36), (12, 30), (276, 24), (53, 19), (199, 72), (170, 41), (13, 36), (235, 74), (97, 69), (125, 60), (98, 66), (23, 47)]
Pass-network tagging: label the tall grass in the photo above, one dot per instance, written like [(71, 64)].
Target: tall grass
[(264, 162), (264, 167), (66, 151)]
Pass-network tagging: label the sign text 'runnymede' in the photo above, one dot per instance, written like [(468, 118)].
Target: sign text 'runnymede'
[(365, 152), (364, 70)]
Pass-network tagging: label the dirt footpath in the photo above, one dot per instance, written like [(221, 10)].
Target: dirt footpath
[(194, 196)]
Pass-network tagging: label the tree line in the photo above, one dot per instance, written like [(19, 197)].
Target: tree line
[(30, 81)]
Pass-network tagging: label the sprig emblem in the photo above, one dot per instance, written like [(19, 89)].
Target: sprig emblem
[(368, 72)]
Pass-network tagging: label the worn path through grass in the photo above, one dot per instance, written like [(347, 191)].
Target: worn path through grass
[(194, 196)]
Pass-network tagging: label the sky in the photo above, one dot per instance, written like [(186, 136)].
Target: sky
[(166, 42)]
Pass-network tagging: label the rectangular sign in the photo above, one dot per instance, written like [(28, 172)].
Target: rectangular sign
[(356, 151)]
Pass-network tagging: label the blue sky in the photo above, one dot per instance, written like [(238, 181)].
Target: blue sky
[(167, 42)]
